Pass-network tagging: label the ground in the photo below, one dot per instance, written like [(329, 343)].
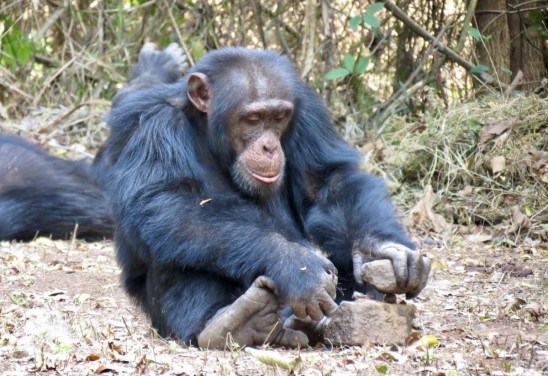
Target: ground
[(63, 312)]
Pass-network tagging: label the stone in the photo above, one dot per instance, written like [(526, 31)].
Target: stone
[(380, 274), (366, 320)]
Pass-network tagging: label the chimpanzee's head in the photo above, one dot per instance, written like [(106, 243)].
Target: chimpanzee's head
[(248, 98)]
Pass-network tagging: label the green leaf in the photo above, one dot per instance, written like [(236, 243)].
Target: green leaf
[(479, 69), (361, 65), (197, 49), (506, 71), (348, 62), (374, 8), (488, 37), (371, 20), (536, 16), (369, 15), (355, 22), (16, 47), (474, 33), (382, 369), (336, 73)]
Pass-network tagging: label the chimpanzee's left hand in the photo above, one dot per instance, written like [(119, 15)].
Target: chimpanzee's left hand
[(411, 269)]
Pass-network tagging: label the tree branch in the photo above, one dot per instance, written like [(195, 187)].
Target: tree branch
[(417, 29), (467, 19)]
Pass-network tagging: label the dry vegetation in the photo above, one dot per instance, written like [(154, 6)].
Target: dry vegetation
[(471, 179), (483, 313)]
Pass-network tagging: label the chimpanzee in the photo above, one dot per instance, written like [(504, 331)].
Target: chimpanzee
[(223, 184), (44, 195)]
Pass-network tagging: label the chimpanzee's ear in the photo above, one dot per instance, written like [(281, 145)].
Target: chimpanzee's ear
[(198, 91)]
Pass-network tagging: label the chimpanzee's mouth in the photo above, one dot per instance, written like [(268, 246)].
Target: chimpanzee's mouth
[(265, 179)]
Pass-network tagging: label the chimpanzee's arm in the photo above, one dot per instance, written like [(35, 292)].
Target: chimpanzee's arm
[(157, 185), (346, 212)]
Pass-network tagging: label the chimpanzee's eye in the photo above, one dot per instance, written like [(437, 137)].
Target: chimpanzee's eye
[(253, 118)]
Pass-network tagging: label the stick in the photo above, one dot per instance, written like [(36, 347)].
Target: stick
[(451, 55)]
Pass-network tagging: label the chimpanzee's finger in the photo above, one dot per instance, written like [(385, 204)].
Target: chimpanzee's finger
[(314, 311), (330, 284), (426, 267), (291, 338), (299, 310), (357, 262), (414, 270), (265, 282), (328, 305), (397, 253)]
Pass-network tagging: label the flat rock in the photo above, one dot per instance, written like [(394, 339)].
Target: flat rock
[(367, 320)]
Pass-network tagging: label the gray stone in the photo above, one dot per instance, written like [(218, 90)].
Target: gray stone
[(365, 320), (380, 274)]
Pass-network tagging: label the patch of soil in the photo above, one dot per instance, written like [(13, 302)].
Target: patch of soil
[(62, 311)]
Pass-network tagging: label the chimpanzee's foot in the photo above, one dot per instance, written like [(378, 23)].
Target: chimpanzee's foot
[(313, 329), (251, 320)]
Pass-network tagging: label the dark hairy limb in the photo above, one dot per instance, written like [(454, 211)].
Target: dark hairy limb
[(251, 320)]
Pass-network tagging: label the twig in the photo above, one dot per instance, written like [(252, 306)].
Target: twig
[(327, 47), (515, 82), (308, 40), (410, 79), (63, 117), (465, 24), (52, 78), (276, 15), (451, 55), (387, 112), (54, 17), (178, 32), (258, 21)]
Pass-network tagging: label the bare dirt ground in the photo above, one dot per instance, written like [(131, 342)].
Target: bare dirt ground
[(62, 311)]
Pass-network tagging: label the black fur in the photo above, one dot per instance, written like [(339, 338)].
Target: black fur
[(44, 195), (182, 257)]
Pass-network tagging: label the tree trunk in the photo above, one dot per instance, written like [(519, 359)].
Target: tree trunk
[(515, 44), (495, 52), (527, 49)]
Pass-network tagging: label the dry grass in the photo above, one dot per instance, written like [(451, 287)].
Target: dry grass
[(63, 312), (483, 158)]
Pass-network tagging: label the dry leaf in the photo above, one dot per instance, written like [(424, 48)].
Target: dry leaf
[(93, 357), (423, 214), (104, 369), (490, 131), (537, 162), (478, 238), (519, 220), (498, 164), (273, 358)]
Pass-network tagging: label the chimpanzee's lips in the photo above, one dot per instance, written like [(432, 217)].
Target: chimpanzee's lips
[(266, 179)]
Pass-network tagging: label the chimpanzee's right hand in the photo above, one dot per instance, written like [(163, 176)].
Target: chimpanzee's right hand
[(307, 283)]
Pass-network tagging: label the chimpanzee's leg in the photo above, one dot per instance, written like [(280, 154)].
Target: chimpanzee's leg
[(210, 311)]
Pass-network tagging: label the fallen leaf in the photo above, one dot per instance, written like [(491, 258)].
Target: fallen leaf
[(478, 238), (273, 358), (490, 131), (498, 164), (116, 347), (519, 220), (92, 357), (423, 214), (104, 369)]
